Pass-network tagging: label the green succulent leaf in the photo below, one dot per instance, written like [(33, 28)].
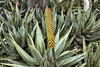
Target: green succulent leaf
[(61, 20), (40, 45), (33, 31), (57, 36), (68, 43), (89, 25), (54, 17), (15, 65), (83, 65), (97, 25), (30, 16), (31, 40), (9, 17), (65, 55), (35, 53), (25, 56), (8, 51), (61, 43), (72, 60), (14, 62), (43, 26)]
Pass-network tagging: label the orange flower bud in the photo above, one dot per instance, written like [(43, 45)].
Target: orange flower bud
[(17, 3)]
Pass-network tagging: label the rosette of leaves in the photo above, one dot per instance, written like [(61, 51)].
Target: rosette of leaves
[(39, 55), (85, 25), (26, 42)]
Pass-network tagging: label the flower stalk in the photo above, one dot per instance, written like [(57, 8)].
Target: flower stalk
[(50, 33)]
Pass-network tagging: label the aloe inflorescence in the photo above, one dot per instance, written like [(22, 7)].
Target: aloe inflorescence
[(49, 28), (50, 32)]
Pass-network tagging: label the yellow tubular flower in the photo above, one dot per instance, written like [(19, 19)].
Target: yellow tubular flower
[(49, 28)]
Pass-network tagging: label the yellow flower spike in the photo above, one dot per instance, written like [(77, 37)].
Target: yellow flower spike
[(6, 10), (49, 28), (12, 7)]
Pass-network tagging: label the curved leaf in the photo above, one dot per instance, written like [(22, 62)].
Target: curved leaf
[(25, 56)]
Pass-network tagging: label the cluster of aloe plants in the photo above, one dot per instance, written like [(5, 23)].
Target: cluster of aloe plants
[(4, 4), (23, 38), (94, 55)]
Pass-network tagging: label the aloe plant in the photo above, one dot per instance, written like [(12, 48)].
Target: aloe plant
[(45, 58), (94, 56), (85, 25), (24, 36), (4, 4), (26, 39)]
